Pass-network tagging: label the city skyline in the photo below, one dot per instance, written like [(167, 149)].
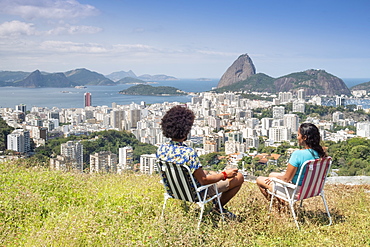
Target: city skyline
[(189, 39)]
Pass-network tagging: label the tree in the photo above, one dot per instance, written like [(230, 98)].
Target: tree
[(5, 130)]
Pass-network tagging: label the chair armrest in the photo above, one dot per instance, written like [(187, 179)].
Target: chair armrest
[(203, 187), (290, 185)]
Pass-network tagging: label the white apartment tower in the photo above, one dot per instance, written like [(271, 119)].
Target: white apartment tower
[(210, 147), (73, 151), (278, 112), (214, 122), (125, 158), (103, 162), (232, 147), (291, 121), (279, 134), (337, 116), (363, 129), (299, 106), (285, 97), (148, 163), (301, 95), (19, 141)]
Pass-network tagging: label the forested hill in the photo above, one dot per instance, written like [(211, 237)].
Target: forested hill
[(150, 90), (110, 140)]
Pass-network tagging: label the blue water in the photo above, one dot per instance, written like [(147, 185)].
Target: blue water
[(106, 95), (101, 95), (350, 82)]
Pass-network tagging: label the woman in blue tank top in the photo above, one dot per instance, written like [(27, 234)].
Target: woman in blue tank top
[(309, 138)]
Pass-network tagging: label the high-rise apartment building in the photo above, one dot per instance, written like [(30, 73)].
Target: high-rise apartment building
[(148, 163), (298, 106), (87, 97), (278, 112), (21, 107), (104, 162), (363, 129), (301, 95), (339, 101), (134, 116), (125, 158), (337, 116), (116, 118), (291, 121), (19, 141), (279, 134), (74, 152), (214, 122), (285, 97)]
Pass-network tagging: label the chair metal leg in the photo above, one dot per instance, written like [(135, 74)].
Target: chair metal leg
[(326, 207), (164, 204), (201, 215), (219, 205), (272, 199), (293, 213)]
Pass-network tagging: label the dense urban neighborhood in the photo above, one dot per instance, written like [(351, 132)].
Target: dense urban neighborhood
[(255, 131)]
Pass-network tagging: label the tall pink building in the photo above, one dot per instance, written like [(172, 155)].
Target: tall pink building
[(87, 99)]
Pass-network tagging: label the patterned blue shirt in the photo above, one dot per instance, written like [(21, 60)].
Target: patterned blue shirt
[(179, 153)]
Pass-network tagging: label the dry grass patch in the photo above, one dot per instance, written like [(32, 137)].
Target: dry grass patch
[(47, 208)]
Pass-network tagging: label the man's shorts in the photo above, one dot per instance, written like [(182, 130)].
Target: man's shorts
[(222, 186)]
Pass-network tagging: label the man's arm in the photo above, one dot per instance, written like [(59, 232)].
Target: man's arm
[(204, 179)]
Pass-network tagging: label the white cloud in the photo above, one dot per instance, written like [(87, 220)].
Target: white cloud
[(67, 46), (49, 9), (74, 30), (218, 53), (133, 48), (16, 28)]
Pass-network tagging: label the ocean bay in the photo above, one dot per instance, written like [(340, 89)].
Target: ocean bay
[(101, 95), (106, 95)]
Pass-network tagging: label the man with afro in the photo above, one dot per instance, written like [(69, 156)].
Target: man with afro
[(176, 125)]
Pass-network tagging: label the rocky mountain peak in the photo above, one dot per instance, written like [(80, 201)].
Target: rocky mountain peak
[(240, 70)]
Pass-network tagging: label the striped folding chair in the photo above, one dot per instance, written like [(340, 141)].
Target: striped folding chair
[(179, 183), (315, 173)]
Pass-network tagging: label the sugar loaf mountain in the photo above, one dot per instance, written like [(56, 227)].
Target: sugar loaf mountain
[(242, 76)]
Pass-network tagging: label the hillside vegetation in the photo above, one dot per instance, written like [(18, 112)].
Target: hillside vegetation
[(142, 89), (49, 208), (5, 130), (110, 140)]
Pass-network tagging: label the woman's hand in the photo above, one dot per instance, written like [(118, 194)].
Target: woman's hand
[(268, 181)]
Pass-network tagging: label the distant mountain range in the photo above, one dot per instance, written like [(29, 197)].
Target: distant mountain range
[(72, 78), (240, 76)]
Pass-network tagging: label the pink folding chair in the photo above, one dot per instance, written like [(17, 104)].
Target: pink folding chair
[(315, 173)]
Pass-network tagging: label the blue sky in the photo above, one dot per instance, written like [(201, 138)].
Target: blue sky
[(186, 39)]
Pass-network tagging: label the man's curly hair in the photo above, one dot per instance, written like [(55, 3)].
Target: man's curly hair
[(177, 122)]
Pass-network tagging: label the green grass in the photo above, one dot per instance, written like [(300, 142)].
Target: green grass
[(49, 208)]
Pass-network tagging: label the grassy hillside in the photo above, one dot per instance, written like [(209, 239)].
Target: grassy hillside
[(48, 208)]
